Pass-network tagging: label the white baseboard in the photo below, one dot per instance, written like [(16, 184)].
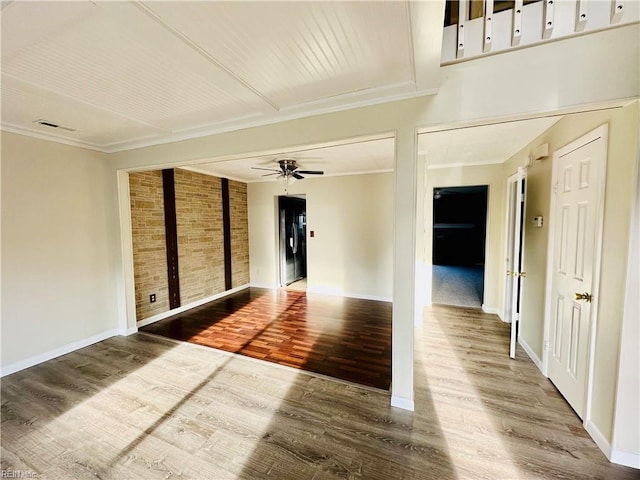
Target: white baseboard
[(184, 308), (628, 459), (269, 286), (493, 310), (338, 293), (128, 331), (532, 355), (599, 438), (57, 352), (401, 402)]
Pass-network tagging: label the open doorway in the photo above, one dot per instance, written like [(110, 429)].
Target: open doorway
[(292, 220), (459, 241)]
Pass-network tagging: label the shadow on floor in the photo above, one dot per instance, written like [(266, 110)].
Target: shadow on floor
[(329, 429), (71, 379)]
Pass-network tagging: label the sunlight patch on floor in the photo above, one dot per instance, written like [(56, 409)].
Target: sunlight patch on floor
[(157, 415), (463, 417)]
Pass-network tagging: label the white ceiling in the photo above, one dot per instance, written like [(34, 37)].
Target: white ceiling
[(359, 156), (482, 145), (120, 75)]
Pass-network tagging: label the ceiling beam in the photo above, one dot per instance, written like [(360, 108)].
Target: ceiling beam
[(427, 25)]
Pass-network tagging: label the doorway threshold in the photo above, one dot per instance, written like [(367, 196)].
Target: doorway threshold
[(297, 286)]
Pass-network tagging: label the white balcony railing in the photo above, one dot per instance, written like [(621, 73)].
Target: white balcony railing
[(489, 26)]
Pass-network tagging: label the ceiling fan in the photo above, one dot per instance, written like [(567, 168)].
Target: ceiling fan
[(288, 168)]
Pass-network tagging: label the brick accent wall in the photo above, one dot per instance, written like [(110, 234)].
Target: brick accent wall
[(200, 238), (200, 235), (149, 245), (239, 233)]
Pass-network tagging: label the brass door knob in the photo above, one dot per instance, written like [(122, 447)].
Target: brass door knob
[(523, 274), (509, 273), (584, 296)]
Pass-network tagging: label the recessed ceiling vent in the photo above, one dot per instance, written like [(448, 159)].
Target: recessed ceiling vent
[(47, 123)]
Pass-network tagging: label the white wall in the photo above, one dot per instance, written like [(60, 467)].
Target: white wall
[(621, 164), (493, 176), (352, 217), (58, 284), (626, 432)]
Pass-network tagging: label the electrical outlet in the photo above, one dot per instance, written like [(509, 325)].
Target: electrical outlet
[(152, 298)]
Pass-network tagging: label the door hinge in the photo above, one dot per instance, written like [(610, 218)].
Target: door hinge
[(545, 347), (522, 198), (555, 187)]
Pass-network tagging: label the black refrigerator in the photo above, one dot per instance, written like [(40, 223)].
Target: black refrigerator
[(293, 239)]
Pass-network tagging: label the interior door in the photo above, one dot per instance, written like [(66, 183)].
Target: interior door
[(576, 213), (513, 292)]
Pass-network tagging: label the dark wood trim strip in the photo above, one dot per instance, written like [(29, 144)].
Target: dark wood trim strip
[(171, 233), (226, 228)]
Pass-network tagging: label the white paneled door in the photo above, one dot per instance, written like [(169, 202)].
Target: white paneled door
[(578, 183)]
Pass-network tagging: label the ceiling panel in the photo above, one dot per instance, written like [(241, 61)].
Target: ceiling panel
[(481, 145), (347, 159), (115, 57), (297, 52), (131, 74), (24, 103)]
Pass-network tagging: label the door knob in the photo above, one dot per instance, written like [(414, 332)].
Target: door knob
[(509, 273), (522, 274), (584, 296)]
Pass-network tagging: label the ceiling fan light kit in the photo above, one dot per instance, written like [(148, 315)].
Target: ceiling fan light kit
[(288, 171)]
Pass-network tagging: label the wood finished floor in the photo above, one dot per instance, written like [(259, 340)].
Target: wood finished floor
[(144, 407), (344, 338)]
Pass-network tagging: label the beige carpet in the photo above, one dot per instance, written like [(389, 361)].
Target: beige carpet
[(460, 286)]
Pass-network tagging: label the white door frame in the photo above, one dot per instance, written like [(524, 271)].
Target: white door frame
[(600, 132), (511, 223)]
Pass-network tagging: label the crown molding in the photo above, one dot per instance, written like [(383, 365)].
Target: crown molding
[(365, 98), (17, 129)]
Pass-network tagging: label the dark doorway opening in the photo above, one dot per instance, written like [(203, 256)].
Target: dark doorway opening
[(459, 243), (293, 238)]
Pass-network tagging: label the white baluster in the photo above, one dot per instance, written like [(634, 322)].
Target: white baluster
[(581, 15), (517, 23), (547, 28), (462, 18), (617, 10), (488, 20)]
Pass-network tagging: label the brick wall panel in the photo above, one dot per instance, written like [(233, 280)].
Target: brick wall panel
[(239, 233), (149, 245), (200, 235)]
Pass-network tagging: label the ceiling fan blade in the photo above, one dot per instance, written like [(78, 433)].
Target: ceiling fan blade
[(311, 172), (270, 174), (267, 169), (296, 175)]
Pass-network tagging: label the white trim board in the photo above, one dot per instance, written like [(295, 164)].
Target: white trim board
[(532, 355), (628, 459), (597, 436), (334, 293), (268, 286), (494, 311), (184, 308), (57, 352), (403, 403), (128, 331)]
